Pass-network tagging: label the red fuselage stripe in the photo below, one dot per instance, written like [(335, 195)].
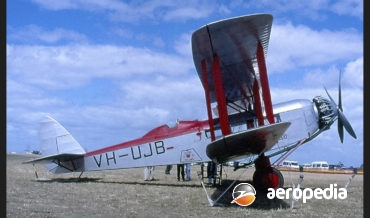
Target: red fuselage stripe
[(157, 134)]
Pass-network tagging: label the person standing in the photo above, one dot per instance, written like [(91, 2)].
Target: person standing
[(187, 171), (211, 172), (168, 169), (148, 173), (180, 170)]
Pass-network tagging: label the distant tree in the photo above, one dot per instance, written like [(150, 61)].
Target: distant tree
[(36, 152), (340, 164)]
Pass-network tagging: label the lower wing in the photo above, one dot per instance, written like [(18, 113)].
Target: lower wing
[(246, 143)]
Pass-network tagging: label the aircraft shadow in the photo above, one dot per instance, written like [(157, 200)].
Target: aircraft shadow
[(100, 180), (68, 180), (261, 201)]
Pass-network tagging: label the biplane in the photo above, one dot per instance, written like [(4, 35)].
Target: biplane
[(229, 56)]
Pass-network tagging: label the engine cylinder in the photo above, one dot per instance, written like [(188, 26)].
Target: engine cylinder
[(327, 112)]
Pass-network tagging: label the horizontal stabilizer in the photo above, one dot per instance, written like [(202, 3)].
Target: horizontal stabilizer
[(55, 158), (246, 143)]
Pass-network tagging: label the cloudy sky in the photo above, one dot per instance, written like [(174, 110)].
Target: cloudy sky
[(110, 71)]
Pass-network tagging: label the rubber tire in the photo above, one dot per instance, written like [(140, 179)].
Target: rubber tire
[(268, 178)]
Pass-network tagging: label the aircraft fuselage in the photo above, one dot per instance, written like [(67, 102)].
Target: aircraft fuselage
[(191, 146)]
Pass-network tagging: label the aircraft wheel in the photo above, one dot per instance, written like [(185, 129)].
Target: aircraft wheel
[(268, 178)]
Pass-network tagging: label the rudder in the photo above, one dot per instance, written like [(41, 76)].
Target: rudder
[(55, 139)]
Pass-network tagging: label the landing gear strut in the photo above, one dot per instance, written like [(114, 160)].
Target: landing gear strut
[(265, 175)]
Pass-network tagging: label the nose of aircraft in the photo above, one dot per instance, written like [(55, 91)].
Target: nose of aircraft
[(329, 111)]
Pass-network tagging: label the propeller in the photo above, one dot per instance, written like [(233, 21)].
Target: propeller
[(342, 120)]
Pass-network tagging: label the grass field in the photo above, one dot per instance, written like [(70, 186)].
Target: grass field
[(124, 193)]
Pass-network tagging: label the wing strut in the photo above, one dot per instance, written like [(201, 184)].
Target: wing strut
[(265, 84), (220, 96), (208, 100), (257, 103), (287, 151)]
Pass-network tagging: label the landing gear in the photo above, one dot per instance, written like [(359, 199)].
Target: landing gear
[(266, 176)]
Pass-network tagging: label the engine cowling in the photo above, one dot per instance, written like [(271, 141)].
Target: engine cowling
[(327, 112)]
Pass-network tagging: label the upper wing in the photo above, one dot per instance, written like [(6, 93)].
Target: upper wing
[(235, 42)]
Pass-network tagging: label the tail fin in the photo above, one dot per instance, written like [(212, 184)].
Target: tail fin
[(60, 151), (55, 139)]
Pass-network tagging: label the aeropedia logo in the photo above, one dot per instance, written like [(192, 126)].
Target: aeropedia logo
[(244, 194), (328, 193)]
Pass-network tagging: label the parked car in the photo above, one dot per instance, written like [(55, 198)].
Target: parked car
[(320, 165), (290, 164)]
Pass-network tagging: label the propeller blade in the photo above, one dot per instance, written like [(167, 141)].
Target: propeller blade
[(331, 99), (340, 92), (340, 129), (340, 123), (342, 120), (346, 124)]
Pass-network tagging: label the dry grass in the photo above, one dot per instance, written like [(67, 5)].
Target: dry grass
[(123, 193)]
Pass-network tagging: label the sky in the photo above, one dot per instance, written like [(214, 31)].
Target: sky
[(110, 71)]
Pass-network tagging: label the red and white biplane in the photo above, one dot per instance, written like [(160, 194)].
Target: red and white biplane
[(229, 56)]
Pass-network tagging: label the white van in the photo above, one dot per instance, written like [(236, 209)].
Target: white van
[(290, 164), (320, 165)]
